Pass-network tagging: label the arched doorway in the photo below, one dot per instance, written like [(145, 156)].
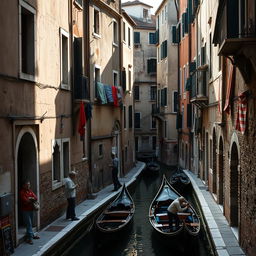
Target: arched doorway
[(26, 169), (214, 163), (234, 186), (206, 158), (221, 173)]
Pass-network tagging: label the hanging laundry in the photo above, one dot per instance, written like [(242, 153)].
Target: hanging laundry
[(241, 113), (88, 111), (114, 93), (82, 121), (119, 92), (108, 91), (101, 95)]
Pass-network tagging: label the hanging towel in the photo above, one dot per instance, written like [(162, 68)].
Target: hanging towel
[(241, 113), (108, 91), (88, 111), (101, 95), (82, 121), (114, 93)]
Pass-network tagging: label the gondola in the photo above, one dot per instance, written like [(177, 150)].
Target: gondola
[(158, 217), (180, 181), (118, 213), (152, 167)]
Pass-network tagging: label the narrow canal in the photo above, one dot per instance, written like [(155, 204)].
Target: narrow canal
[(141, 239)]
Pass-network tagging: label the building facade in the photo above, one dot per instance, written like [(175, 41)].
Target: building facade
[(38, 117), (167, 86), (145, 95)]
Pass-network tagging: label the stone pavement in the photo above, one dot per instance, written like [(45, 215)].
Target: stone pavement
[(223, 238), (61, 227)]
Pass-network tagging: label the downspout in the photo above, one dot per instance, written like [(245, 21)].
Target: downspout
[(178, 70), (86, 37)]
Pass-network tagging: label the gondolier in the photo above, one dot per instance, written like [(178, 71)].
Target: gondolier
[(114, 166), (177, 206)]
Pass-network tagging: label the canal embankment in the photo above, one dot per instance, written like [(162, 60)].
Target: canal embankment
[(56, 237)]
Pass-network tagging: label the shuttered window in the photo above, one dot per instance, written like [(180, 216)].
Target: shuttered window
[(164, 49), (130, 116), (136, 37), (137, 120), (151, 38), (175, 101), (151, 65), (164, 97), (174, 35), (189, 115), (136, 92)]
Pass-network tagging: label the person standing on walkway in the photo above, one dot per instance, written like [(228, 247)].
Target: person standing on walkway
[(70, 191), (27, 198), (178, 205), (114, 166)]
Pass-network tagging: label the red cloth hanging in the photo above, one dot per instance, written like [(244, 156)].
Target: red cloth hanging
[(114, 93), (82, 120), (241, 113)]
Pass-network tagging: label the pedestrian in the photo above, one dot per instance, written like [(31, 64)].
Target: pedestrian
[(177, 206), (70, 191), (114, 166), (27, 198)]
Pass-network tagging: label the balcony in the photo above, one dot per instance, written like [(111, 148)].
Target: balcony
[(235, 33), (198, 89)]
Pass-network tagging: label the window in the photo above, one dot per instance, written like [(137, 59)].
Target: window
[(96, 78), (100, 150), (115, 78), (165, 12), (64, 59), (96, 26), (136, 144), (153, 123), (137, 120), (136, 37), (130, 79), (130, 116), (115, 33), (175, 100), (153, 142), (124, 115), (152, 38), (124, 31), (164, 97), (164, 49), (153, 108), (27, 41), (145, 13), (60, 161), (129, 37), (136, 92), (151, 65), (153, 92)]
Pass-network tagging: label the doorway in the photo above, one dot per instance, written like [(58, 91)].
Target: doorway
[(221, 173), (26, 170)]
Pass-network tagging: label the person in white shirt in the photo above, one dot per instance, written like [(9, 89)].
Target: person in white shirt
[(178, 205), (70, 191)]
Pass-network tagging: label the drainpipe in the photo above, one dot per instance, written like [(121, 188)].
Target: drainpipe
[(178, 70)]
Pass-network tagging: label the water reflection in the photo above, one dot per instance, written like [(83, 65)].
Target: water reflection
[(140, 239)]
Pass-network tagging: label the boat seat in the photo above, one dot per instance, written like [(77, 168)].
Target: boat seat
[(116, 212), (111, 221), (193, 224), (161, 225)]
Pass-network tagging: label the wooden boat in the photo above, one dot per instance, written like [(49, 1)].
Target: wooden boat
[(158, 216), (180, 181), (118, 213)]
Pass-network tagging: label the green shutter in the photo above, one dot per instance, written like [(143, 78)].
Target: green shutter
[(190, 12), (136, 37), (183, 24), (174, 35), (178, 33), (186, 21)]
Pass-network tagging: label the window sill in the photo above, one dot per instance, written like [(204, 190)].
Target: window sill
[(28, 77), (95, 35), (56, 185)]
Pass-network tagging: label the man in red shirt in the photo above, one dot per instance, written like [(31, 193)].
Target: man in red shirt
[(27, 197)]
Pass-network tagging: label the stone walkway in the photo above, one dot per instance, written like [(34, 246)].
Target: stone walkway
[(61, 227), (224, 240)]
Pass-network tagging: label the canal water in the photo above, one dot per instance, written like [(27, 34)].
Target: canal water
[(140, 239)]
